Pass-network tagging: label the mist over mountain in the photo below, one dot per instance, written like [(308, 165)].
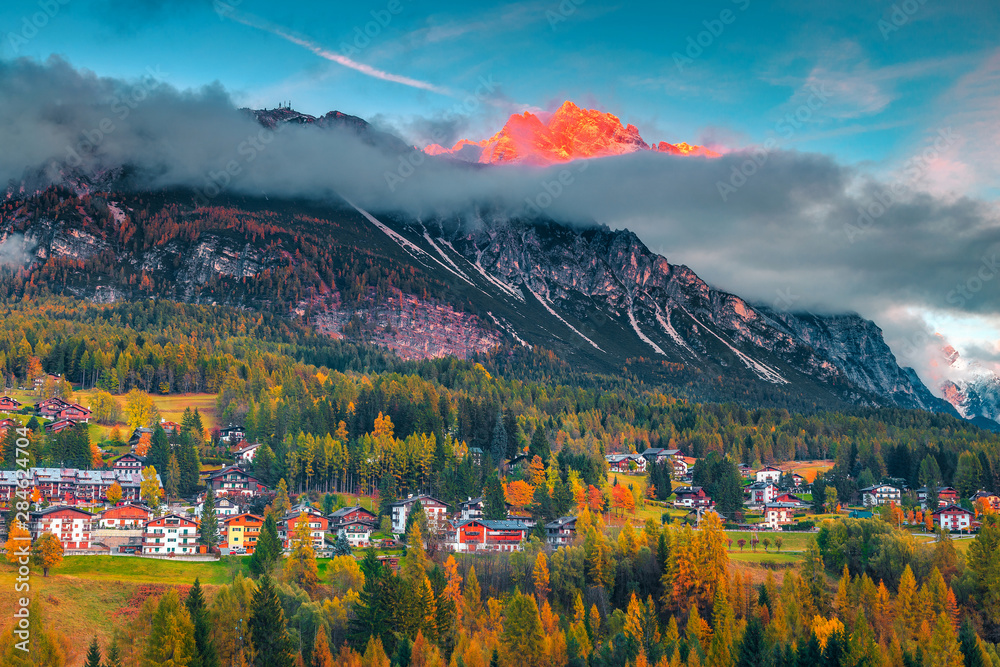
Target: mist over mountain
[(795, 231)]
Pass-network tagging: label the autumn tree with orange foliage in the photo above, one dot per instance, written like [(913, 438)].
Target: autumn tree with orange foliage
[(622, 499), (519, 494)]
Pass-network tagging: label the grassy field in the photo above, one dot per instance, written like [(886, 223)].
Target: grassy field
[(789, 541), (764, 557)]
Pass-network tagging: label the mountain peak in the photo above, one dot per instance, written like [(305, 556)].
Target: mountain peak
[(569, 133)]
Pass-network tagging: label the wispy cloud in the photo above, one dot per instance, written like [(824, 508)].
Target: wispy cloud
[(306, 43)]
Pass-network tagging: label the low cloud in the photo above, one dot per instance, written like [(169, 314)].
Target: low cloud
[(799, 224)]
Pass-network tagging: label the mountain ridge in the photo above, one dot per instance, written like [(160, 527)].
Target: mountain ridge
[(569, 133)]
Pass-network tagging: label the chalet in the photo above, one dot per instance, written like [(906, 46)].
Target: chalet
[(9, 404), (798, 481), (353, 514), (50, 407), (658, 454), (953, 517), (486, 535), (477, 455), (241, 531), (245, 452), (6, 424), (517, 462), (124, 516), (682, 468), (946, 496), (170, 534), (470, 509), (129, 462), (357, 533), (70, 524), (232, 480), (991, 499), (779, 514), (880, 494), (60, 425), (232, 434), (761, 493), (137, 436), (56, 408), (626, 462), (769, 474), (790, 499), (224, 508), (561, 532), (318, 525), (434, 509), (173, 428), (745, 470), (692, 496)]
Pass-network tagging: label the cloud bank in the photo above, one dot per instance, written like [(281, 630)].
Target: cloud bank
[(793, 230)]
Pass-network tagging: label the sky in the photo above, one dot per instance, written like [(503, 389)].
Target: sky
[(839, 101)]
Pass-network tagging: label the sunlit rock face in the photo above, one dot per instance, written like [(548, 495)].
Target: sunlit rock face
[(571, 133)]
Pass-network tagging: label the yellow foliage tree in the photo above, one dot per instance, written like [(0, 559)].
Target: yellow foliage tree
[(541, 576), (115, 493), (47, 552), (17, 548)]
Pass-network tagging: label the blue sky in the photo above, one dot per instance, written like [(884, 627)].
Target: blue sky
[(890, 68), (870, 84)]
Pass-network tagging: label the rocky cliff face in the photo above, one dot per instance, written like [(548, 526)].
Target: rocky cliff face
[(975, 391), (599, 298), (624, 297)]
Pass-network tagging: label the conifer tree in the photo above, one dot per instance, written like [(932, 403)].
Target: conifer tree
[(498, 443), (268, 632), (159, 449), (209, 527), (268, 549), (93, 654), (171, 637), (114, 656), (321, 655), (539, 445), (205, 649), (494, 502)]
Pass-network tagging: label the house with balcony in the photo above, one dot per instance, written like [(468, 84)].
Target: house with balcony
[(170, 534), (241, 531), (692, 496), (435, 510), (125, 516), (318, 525), (71, 525), (769, 474), (485, 535), (954, 517), (561, 532), (880, 494), (232, 480)]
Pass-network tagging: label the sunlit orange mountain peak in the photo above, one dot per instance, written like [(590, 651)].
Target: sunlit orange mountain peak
[(571, 133)]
